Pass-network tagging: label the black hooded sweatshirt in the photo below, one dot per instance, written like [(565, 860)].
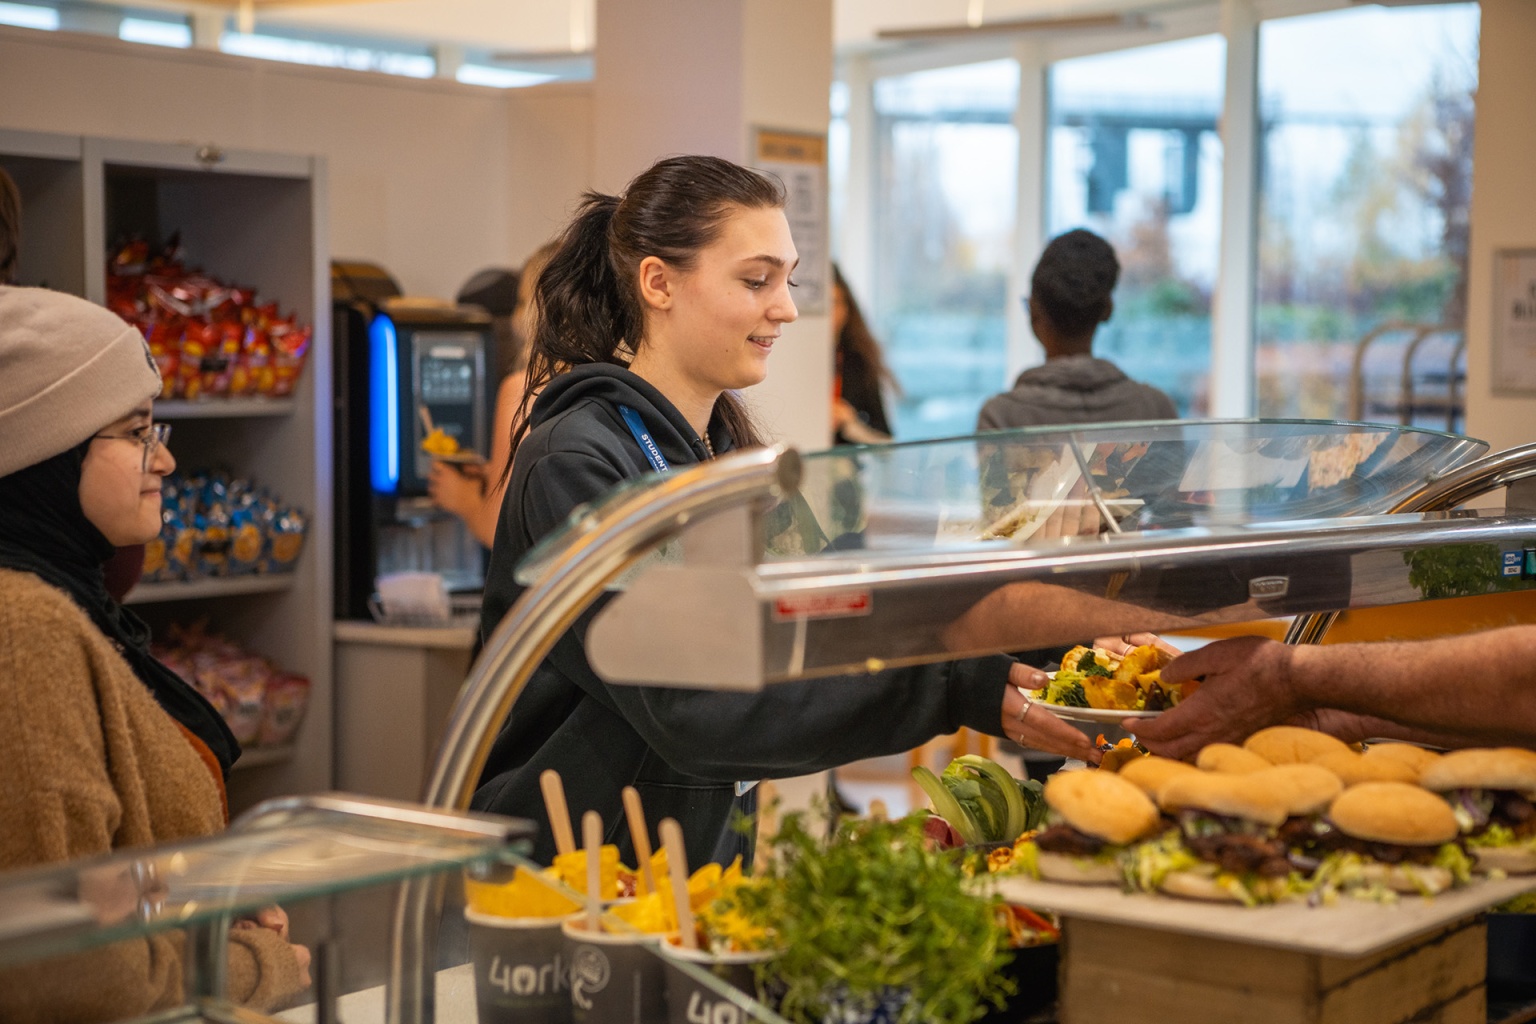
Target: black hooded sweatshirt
[(683, 749)]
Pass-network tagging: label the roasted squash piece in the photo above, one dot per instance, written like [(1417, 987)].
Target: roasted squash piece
[(1108, 694)]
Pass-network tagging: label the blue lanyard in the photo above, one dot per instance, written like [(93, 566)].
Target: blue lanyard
[(643, 439), (659, 464)]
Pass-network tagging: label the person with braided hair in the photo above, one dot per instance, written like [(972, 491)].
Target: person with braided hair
[(1069, 297)]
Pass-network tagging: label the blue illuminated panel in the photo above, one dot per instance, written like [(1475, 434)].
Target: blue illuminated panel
[(383, 406)]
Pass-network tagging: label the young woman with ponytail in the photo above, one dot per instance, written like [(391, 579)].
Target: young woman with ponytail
[(659, 305)]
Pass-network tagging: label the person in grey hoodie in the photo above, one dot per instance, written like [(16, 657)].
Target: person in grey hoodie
[(1069, 298)]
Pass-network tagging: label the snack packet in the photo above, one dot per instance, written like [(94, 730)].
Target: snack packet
[(283, 708)]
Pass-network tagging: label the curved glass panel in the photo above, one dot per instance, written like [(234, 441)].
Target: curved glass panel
[(1044, 483), (583, 518), (1041, 484), (284, 851)]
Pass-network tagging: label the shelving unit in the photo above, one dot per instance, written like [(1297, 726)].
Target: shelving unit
[(196, 590), (257, 219)]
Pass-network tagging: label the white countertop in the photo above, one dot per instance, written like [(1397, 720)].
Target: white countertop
[(459, 637)]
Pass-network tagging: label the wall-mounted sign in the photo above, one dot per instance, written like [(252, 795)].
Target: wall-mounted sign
[(800, 161), (1514, 321)]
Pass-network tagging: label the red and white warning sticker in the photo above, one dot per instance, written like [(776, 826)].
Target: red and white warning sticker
[(842, 605)]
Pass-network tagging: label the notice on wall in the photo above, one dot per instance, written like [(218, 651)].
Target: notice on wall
[(1514, 322), (800, 161)]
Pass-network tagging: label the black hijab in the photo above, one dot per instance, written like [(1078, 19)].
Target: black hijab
[(44, 531)]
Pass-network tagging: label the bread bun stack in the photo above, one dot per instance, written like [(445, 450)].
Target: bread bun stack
[(1247, 823)]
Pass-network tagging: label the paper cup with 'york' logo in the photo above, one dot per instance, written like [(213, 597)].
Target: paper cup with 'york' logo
[(691, 1000), (615, 978), (522, 974)]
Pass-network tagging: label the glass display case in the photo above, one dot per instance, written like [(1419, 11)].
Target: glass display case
[(766, 565), (774, 566), (94, 922)]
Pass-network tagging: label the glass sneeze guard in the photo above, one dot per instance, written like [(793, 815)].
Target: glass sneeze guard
[(1151, 475), (911, 553), (284, 850)]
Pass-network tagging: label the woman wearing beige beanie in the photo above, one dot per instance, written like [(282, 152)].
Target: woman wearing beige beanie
[(106, 748)]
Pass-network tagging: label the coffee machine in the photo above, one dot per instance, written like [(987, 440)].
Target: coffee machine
[(402, 365)]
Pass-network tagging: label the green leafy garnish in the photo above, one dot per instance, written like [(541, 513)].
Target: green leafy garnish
[(871, 913)]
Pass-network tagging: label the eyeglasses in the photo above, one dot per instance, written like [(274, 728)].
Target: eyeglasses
[(154, 435)]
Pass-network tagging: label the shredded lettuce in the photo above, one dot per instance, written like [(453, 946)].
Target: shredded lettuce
[(1147, 864), (1454, 859), (1344, 872), (1501, 835), (1523, 904), (1234, 885)]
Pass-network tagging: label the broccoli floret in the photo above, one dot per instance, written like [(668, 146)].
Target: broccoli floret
[(1067, 693), (1090, 666)]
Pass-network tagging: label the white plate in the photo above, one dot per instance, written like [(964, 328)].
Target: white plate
[(1073, 714), (1100, 715)]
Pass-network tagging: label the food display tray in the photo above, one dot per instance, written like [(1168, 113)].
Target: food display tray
[(1348, 928)]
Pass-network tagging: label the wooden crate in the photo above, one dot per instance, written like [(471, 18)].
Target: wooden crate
[(1137, 975)]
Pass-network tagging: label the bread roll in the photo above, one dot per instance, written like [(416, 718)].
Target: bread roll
[(1289, 744), (1502, 768), (1393, 812), (1101, 804), (1151, 773), (1356, 768), (1415, 879), (1062, 867), (1241, 796), (1512, 860), (1305, 788), (1417, 758), (1196, 886), (1224, 757)]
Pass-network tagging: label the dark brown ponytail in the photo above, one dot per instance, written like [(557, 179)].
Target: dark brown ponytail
[(588, 307)]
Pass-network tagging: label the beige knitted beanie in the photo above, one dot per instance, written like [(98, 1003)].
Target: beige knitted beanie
[(68, 368)]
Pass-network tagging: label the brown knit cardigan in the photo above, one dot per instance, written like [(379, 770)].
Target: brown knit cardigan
[(93, 765)]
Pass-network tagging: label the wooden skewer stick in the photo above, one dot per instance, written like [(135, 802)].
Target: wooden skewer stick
[(640, 837), (559, 813), (592, 839), (426, 417), (677, 868)]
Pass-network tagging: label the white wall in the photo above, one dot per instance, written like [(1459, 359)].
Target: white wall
[(696, 76), (550, 162), (433, 180), (787, 79), (1503, 215)]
